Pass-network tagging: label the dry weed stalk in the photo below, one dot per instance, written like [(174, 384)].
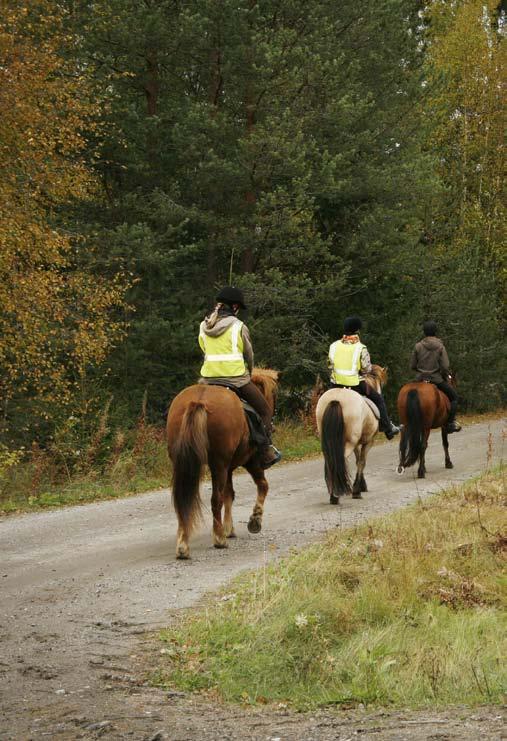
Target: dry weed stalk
[(100, 434)]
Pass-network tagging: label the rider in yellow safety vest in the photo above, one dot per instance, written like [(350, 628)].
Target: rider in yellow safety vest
[(229, 360), (349, 359)]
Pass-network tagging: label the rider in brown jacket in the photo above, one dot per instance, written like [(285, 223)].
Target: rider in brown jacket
[(431, 362)]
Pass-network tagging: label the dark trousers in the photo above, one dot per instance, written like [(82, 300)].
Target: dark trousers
[(253, 396), (452, 395), (366, 390)]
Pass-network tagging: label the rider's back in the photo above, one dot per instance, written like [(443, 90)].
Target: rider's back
[(430, 360)]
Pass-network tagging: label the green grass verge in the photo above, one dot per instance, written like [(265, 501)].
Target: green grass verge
[(405, 611), (80, 491)]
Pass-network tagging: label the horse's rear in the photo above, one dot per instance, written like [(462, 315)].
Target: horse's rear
[(421, 408), (206, 424), (226, 425), (346, 424)]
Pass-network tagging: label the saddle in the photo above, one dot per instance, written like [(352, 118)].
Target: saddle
[(255, 425), (372, 405), (366, 399)]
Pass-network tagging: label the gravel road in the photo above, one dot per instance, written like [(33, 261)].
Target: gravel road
[(83, 589)]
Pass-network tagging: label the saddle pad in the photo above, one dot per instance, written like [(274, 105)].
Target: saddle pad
[(257, 432), (255, 425), (373, 407)]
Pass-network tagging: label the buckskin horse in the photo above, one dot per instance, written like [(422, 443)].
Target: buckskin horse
[(422, 407), (347, 423), (206, 424)]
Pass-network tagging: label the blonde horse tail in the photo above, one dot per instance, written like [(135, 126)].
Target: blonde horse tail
[(412, 438), (189, 454), (333, 448)]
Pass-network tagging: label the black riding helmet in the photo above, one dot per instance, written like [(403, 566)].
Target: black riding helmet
[(430, 329), (230, 295), (352, 324)]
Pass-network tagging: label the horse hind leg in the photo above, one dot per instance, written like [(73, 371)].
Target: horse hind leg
[(255, 521), (182, 547), (360, 482), (356, 486), (421, 471), (219, 483), (445, 443), (228, 500)]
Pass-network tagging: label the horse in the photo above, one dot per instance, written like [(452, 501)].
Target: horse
[(206, 424), (422, 407), (347, 423)]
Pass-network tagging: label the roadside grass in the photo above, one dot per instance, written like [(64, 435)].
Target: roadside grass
[(123, 463), (405, 611), (42, 481), (141, 464)]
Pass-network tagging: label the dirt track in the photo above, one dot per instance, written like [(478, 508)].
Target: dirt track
[(82, 586)]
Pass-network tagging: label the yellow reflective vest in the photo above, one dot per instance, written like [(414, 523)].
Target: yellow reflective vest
[(223, 355), (345, 359)]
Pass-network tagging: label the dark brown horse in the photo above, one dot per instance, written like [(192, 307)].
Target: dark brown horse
[(207, 425), (421, 408)]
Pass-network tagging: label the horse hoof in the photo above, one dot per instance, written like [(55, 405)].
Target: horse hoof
[(254, 525), (400, 470), (449, 465), (220, 544), (334, 500), (232, 534), (421, 475), (182, 555), (357, 495)]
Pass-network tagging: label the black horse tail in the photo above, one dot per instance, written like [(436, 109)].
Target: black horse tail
[(412, 436), (333, 447), (189, 454)]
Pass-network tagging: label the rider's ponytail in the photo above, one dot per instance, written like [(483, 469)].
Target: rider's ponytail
[(211, 320)]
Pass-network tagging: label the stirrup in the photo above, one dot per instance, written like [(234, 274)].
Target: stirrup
[(277, 456), (392, 431)]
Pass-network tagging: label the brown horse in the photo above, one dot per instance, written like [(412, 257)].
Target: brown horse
[(206, 424), (346, 423), (421, 408)]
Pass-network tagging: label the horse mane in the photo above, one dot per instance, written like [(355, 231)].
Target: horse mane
[(378, 375), (266, 379)]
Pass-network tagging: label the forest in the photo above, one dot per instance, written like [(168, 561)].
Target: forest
[(328, 158)]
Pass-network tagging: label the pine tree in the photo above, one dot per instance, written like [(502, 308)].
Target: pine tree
[(269, 144)]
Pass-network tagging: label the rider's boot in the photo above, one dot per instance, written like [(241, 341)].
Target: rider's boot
[(386, 426), (269, 455), (452, 425)]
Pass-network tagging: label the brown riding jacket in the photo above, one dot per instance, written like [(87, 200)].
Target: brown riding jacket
[(430, 360)]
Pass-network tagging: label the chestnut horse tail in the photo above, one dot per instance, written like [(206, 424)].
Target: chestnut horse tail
[(412, 438), (333, 447), (189, 454)]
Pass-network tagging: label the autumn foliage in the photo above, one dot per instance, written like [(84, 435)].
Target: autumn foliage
[(54, 317)]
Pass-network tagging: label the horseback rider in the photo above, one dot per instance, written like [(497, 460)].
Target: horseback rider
[(229, 360), (349, 359), (430, 360)]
